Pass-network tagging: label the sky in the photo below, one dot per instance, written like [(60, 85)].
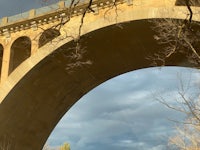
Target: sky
[(10, 7), (121, 113)]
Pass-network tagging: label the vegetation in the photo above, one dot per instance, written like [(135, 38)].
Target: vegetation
[(187, 135), (182, 36), (178, 37), (65, 146)]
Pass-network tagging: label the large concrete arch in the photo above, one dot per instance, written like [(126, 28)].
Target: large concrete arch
[(92, 23), (41, 90)]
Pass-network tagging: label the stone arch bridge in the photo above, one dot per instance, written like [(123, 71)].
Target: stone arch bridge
[(40, 80)]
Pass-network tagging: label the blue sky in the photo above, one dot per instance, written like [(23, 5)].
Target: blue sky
[(10, 7), (122, 113)]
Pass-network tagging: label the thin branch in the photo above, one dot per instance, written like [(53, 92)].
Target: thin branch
[(187, 2), (192, 48)]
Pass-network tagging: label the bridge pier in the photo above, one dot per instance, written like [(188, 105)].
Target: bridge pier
[(34, 45), (5, 62)]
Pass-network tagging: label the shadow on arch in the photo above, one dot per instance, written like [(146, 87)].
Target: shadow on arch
[(47, 36), (48, 91)]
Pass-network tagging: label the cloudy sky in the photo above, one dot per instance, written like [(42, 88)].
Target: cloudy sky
[(122, 113), (10, 7)]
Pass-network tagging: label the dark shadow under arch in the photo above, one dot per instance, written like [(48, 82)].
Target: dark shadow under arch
[(47, 36), (20, 51), (35, 105), (1, 56)]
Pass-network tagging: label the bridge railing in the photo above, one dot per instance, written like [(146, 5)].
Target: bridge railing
[(51, 9), (46, 9), (17, 17)]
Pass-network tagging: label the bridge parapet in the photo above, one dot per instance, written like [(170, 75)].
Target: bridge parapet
[(56, 12)]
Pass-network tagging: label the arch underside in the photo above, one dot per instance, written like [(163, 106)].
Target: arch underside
[(45, 94)]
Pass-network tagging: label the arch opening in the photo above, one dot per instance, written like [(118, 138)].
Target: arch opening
[(1, 57), (124, 109), (134, 51), (20, 51), (47, 36)]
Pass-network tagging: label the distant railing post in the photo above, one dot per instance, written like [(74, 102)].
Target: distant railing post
[(129, 2), (31, 13), (95, 9), (4, 20), (61, 4)]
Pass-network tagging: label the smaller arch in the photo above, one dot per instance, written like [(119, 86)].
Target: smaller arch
[(47, 36), (1, 56), (20, 51)]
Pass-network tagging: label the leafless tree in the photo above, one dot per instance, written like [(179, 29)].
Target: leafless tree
[(187, 135), (178, 37), (181, 36), (78, 52), (6, 143)]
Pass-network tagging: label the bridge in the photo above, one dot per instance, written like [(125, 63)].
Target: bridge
[(46, 68)]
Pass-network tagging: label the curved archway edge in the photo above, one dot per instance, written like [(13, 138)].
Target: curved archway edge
[(131, 14)]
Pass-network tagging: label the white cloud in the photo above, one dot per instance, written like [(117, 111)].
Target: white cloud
[(159, 147)]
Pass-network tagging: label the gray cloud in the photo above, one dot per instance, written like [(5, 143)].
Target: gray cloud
[(123, 114)]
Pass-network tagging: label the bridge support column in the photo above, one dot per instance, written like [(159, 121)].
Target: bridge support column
[(34, 46), (5, 62)]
